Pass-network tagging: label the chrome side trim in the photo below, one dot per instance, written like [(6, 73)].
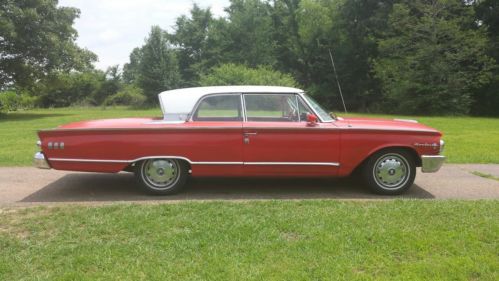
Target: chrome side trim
[(88, 160), (431, 163), (406, 120), (217, 163), (196, 162), (295, 163), (40, 162)]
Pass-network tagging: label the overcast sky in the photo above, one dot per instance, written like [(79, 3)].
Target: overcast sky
[(112, 28)]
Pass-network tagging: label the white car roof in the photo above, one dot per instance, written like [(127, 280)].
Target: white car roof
[(177, 104)]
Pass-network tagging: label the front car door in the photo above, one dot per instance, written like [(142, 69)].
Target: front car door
[(278, 141)]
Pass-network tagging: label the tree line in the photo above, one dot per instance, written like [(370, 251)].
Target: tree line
[(392, 56)]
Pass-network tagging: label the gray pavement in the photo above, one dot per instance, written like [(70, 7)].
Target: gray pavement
[(30, 186)]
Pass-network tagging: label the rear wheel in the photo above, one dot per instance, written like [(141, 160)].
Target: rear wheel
[(162, 176), (390, 172)]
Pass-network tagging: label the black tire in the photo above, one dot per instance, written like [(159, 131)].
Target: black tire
[(162, 176), (390, 171)]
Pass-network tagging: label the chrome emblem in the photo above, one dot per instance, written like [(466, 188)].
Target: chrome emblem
[(55, 145), (434, 145)]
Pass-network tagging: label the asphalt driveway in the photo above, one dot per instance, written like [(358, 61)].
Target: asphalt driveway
[(27, 186)]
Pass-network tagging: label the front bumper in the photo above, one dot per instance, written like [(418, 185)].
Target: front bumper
[(431, 163), (40, 162)]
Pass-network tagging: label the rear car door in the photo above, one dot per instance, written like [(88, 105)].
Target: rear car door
[(217, 134)]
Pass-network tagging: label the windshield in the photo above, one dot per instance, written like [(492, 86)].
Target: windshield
[(318, 109)]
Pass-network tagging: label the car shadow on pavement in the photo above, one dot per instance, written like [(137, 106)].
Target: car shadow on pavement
[(89, 187)]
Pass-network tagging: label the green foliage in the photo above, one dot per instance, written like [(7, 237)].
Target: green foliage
[(129, 95), (37, 38), (431, 57), (154, 67), (430, 60), (12, 101), (233, 74), (195, 48), (252, 240), (78, 88), (486, 98), (65, 89), (248, 33)]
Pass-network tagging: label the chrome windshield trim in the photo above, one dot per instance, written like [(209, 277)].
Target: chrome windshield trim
[(301, 94), (196, 162)]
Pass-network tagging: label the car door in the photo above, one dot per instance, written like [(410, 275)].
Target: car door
[(215, 129), (278, 141)]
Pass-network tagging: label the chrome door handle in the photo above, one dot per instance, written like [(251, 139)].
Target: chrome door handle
[(246, 135)]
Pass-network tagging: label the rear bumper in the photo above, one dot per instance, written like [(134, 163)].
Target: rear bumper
[(431, 163), (40, 162)]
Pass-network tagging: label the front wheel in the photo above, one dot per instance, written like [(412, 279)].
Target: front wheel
[(390, 172), (161, 176)]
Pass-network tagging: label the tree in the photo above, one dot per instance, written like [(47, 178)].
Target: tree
[(430, 59), (486, 98), (191, 36), (131, 69), (233, 74), (249, 36), (37, 38), (65, 89), (154, 66)]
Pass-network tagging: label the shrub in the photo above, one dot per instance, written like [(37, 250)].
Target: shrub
[(12, 101), (129, 95), (233, 74)]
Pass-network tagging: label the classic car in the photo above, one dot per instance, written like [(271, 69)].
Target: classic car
[(244, 131)]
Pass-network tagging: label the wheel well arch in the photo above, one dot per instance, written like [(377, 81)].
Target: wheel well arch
[(408, 149), (135, 163)]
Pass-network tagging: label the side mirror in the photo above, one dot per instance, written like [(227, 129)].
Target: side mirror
[(311, 120)]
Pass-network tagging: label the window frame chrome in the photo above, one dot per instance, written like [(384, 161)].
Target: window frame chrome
[(313, 110), (264, 93), (201, 99), (298, 95)]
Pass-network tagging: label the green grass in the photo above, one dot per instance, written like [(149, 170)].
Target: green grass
[(468, 140), (484, 175), (272, 240)]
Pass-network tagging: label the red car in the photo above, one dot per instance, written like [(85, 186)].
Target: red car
[(244, 131)]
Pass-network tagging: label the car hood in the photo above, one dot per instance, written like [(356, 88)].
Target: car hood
[(385, 124)]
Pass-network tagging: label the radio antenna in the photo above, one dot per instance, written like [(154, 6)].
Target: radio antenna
[(337, 80)]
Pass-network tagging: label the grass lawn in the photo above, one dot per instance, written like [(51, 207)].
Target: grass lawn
[(268, 240), (468, 140)]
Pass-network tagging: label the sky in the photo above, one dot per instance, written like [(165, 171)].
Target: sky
[(112, 28)]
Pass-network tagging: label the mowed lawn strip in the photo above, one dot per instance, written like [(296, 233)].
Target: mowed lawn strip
[(269, 240), (468, 139)]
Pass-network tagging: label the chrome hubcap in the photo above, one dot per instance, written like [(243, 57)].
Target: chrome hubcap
[(161, 173), (391, 171)]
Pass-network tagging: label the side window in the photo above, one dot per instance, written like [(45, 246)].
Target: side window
[(271, 107), (219, 108), (303, 110)]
